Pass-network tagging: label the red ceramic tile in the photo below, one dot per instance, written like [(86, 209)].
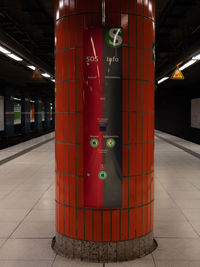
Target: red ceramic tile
[(146, 8), (131, 223), (140, 7), (61, 158), (152, 186), (80, 160), (138, 159), (72, 168), (125, 127), (72, 186), (72, 31), (125, 160), (72, 6), (125, 6), (139, 190), (144, 158), (132, 160), (125, 95), (106, 226), (72, 96), (57, 156), (145, 100), (125, 184), (66, 7), (116, 19), (116, 5), (139, 129), (73, 221), (61, 189), (88, 225), (79, 117), (73, 128), (132, 95), (145, 189), (66, 128), (140, 32), (115, 225), (138, 222), (132, 127), (148, 33), (145, 127), (57, 218), (97, 226), (139, 96), (79, 96), (132, 192), (66, 32), (66, 96), (66, 189), (149, 218), (79, 26), (140, 60), (66, 64), (124, 224), (132, 30), (132, 7), (80, 224), (88, 20), (97, 20), (61, 219), (57, 181), (80, 192), (132, 63), (144, 224), (72, 63), (66, 213), (79, 63)]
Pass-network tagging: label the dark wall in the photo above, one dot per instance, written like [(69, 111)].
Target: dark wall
[(173, 108)]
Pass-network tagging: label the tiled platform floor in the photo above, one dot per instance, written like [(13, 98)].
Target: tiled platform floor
[(27, 210)]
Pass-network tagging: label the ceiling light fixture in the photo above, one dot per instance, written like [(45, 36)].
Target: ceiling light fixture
[(13, 56), (4, 51), (197, 57), (46, 75), (186, 65), (31, 67), (53, 80), (163, 79)]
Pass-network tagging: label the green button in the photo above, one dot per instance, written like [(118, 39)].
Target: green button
[(94, 143), (102, 175), (110, 143)]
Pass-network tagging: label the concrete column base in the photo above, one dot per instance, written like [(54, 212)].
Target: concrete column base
[(104, 251)]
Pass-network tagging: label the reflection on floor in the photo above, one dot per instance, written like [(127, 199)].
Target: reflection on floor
[(27, 210)]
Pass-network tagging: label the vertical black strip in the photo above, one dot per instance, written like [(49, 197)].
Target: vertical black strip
[(112, 120)]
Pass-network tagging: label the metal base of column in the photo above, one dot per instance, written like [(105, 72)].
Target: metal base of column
[(104, 251)]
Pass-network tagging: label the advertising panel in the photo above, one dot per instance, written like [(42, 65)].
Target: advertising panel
[(103, 117)]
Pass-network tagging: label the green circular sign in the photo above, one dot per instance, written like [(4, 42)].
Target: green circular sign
[(102, 175), (94, 143), (110, 143), (114, 37)]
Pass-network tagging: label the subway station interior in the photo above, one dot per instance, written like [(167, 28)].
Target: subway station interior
[(99, 133)]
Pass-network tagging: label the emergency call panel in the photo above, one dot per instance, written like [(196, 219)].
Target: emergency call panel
[(102, 61)]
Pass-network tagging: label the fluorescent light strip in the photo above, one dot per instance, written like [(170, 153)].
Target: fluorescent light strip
[(197, 57), (46, 75), (186, 65), (14, 57), (163, 79), (4, 51), (31, 67), (53, 80)]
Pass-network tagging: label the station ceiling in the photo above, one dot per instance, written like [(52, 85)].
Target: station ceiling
[(27, 26)]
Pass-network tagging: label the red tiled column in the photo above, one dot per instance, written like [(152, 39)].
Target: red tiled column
[(119, 233)]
